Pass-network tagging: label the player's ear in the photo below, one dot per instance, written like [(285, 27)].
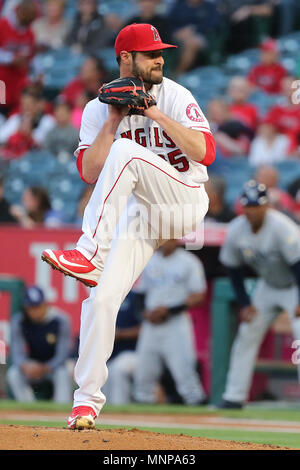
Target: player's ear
[(126, 57)]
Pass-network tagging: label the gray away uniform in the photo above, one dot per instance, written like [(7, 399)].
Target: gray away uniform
[(168, 281), (270, 252)]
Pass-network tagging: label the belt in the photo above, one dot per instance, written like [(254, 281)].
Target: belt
[(288, 286), (177, 309)]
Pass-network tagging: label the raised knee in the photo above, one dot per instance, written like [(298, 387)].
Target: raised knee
[(122, 146)]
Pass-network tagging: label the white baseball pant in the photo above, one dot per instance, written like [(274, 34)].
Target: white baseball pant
[(172, 343), (22, 389), (269, 302), (132, 179)]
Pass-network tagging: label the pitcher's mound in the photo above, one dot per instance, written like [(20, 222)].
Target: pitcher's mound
[(44, 438)]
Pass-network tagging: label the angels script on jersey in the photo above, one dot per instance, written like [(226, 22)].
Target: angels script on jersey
[(157, 138)]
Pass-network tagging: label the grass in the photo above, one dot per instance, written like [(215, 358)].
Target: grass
[(259, 413), (259, 437)]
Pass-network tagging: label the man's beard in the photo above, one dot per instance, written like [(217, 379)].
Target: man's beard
[(146, 76)]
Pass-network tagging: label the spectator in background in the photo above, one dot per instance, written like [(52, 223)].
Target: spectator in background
[(172, 282), (286, 16), (218, 209), (63, 138), (20, 142), (239, 108), (192, 22), (148, 14), (92, 76), (77, 111), (268, 74), (286, 116), (122, 363), (242, 17), (269, 176), (36, 209), (51, 30), (17, 47), (30, 126), (278, 198), (89, 31), (269, 146), (40, 342), (232, 137), (5, 214)]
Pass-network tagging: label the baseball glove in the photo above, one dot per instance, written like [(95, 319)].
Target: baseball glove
[(127, 91)]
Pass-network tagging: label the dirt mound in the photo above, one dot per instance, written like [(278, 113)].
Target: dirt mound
[(43, 438)]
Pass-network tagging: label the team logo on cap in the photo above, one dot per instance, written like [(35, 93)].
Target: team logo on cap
[(155, 34), (193, 112)]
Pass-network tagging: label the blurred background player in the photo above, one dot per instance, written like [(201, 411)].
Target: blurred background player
[(172, 282), (268, 242), (40, 345), (218, 210)]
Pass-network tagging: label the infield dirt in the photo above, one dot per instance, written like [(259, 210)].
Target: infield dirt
[(14, 437)]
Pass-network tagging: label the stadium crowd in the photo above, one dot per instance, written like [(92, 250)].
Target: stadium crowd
[(54, 56)]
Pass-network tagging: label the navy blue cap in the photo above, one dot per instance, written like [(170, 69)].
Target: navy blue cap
[(34, 296), (254, 194)]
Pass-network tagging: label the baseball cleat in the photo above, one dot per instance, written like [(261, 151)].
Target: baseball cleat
[(82, 417), (230, 405), (73, 263)]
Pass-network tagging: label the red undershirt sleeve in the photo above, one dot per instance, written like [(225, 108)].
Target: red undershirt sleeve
[(79, 164), (210, 154)]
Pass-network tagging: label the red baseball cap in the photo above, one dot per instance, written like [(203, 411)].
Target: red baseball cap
[(139, 37), (269, 45)]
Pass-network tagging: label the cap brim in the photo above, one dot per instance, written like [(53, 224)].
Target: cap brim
[(155, 48)]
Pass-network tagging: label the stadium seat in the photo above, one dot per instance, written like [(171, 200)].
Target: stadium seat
[(290, 63), (288, 171), (108, 57), (118, 7), (58, 67), (265, 101), (237, 172), (290, 43), (240, 64)]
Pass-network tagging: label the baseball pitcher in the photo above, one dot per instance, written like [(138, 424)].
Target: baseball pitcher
[(146, 144)]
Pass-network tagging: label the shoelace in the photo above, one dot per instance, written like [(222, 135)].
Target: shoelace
[(73, 255)]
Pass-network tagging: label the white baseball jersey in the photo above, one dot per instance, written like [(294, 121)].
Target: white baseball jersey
[(172, 99), (168, 280), (270, 251)]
